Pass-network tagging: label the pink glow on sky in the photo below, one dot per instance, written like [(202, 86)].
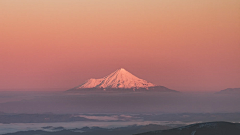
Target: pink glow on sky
[(184, 45)]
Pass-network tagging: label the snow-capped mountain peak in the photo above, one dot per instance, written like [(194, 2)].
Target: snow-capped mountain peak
[(121, 78)]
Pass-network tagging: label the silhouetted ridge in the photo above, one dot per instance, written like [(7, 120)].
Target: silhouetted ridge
[(209, 128)]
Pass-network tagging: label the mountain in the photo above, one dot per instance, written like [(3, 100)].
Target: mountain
[(118, 79), (122, 80), (209, 128), (230, 91)]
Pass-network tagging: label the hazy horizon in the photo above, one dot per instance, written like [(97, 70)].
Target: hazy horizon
[(65, 89)]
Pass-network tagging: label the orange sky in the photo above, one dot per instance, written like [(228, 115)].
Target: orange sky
[(184, 45)]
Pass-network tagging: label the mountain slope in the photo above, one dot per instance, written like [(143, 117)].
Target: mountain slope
[(209, 128), (119, 80)]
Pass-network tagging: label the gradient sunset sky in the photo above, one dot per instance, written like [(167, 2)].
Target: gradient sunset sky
[(186, 45)]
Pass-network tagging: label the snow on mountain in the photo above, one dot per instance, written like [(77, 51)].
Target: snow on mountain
[(118, 79)]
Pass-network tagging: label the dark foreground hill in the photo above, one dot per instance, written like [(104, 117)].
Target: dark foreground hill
[(209, 128)]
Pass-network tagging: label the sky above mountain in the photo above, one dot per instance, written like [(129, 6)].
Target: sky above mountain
[(184, 45)]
